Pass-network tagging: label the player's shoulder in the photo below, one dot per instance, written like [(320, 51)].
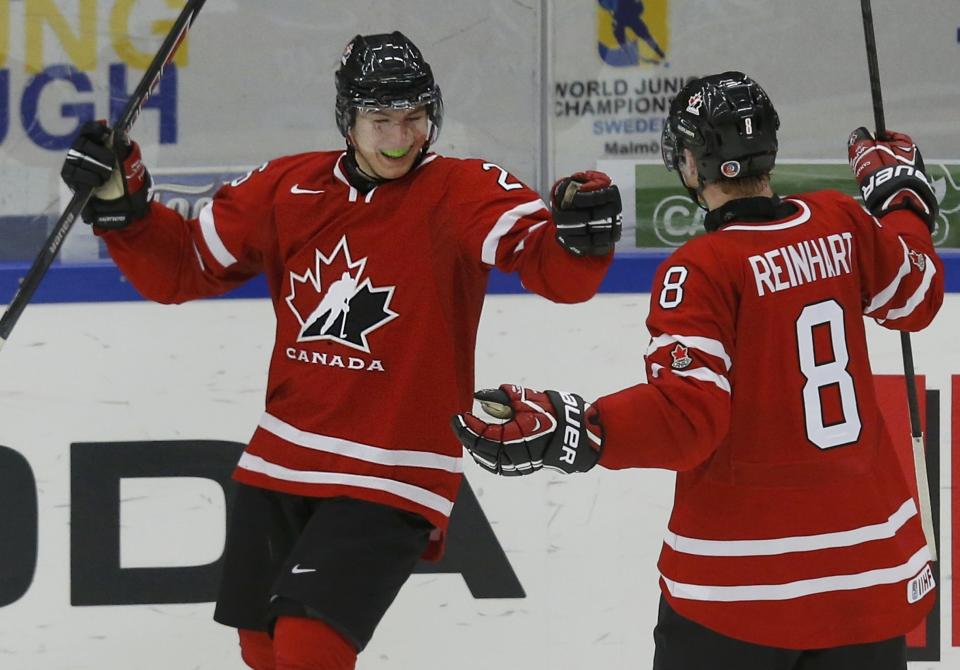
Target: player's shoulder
[(826, 199), (311, 168), (827, 196), (833, 209), (697, 250), (474, 178), (308, 161), (707, 257), (467, 167), (454, 162)]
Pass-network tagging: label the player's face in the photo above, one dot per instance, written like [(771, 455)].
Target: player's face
[(388, 141)]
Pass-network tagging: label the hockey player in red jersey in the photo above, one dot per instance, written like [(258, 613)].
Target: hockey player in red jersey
[(377, 260), (793, 528)]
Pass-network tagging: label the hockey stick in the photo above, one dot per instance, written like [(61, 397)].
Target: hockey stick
[(80, 197), (919, 458)]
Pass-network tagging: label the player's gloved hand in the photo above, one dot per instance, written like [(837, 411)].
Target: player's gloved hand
[(545, 429), (117, 175), (891, 174), (586, 210)]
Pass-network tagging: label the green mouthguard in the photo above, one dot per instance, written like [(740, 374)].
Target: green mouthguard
[(395, 153)]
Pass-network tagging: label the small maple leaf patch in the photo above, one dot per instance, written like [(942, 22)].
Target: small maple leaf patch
[(919, 260), (681, 357)]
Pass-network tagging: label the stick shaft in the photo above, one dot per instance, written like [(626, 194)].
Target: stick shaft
[(906, 347), (871, 42)]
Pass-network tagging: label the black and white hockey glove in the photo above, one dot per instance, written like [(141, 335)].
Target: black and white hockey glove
[(120, 181), (891, 174), (545, 429), (586, 211)]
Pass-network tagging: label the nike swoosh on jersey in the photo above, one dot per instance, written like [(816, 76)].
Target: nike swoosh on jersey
[(295, 189), (297, 570)]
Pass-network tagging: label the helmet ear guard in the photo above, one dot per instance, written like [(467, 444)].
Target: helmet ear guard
[(385, 71)]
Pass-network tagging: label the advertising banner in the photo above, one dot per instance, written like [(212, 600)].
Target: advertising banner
[(661, 215), (120, 424)]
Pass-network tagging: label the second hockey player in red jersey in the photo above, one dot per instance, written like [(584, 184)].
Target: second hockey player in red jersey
[(793, 528), (377, 260)]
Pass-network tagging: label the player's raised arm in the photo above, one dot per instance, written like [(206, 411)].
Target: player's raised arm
[(167, 258), (560, 251), (901, 272)]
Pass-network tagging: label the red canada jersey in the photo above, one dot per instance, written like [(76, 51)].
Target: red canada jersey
[(377, 299), (793, 525)]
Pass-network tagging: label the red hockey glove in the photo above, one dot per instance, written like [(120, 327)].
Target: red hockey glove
[(586, 210), (891, 175), (545, 429), (120, 180)]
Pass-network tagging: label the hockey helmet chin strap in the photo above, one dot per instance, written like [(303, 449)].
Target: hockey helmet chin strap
[(696, 194)]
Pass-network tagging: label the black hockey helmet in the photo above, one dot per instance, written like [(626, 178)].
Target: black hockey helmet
[(385, 71), (729, 124)]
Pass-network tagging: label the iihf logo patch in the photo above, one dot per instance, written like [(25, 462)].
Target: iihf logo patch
[(334, 301), (681, 359), (920, 585)]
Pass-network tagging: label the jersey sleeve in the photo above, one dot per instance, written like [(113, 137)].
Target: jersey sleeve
[(507, 225), (678, 418), (170, 259), (901, 273)]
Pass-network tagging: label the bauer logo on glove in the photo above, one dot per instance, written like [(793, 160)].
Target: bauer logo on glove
[(890, 173)]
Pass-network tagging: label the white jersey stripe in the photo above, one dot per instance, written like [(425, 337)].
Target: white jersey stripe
[(895, 194), (704, 375), (196, 251), (787, 545), (918, 295), (530, 230), (800, 219), (429, 159), (362, 452), (704, 344), (415, 494), (803, 587), (208, 227), (338, 173), (488, 253), (884, 296)]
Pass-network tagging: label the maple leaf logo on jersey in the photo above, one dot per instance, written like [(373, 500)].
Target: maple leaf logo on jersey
[(334, 301), (918, 259), (681, 359)]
